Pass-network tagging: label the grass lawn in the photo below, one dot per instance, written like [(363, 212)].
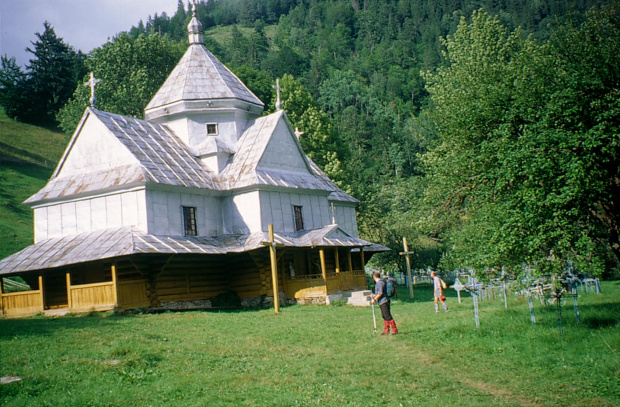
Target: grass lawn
[(320, 355), (28, 155)]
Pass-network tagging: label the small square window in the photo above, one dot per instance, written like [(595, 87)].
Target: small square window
[(211, 129), (189, 221), (299, 219)]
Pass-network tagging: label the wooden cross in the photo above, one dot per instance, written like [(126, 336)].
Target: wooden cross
[(92, 82), (407, 253), (274, 267), (298, 133), (278, 89)]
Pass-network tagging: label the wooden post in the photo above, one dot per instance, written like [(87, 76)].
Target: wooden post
[(114, 286), (350, 260), (407, 253), (42, 294), (337, 259), (69, 291), (323, 267), (274, 267), (362, 258)]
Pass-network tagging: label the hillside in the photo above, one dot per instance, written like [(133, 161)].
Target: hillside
[(28, 155)]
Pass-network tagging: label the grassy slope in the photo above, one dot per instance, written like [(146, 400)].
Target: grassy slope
[(28, 155), (319, 355)]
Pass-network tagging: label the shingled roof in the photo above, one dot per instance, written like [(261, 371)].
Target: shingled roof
[(161, 158), (199, 75), (114, 243)]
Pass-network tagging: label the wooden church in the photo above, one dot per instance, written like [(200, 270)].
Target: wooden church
[(175, 210)]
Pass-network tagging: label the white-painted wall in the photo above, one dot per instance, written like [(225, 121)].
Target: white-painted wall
[(346, 218), (95, 150), (165, 213), (282, 153), (242, 213), (89, 214), (278, 210)]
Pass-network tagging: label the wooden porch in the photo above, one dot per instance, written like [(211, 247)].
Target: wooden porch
[(151, 281)]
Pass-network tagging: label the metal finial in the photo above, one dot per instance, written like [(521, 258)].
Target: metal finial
[(194, 8), (92, 82), (278, 89)]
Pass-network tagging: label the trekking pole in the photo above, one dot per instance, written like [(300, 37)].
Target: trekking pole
[(374, 318)]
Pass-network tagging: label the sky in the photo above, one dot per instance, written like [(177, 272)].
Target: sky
[(82, 24)]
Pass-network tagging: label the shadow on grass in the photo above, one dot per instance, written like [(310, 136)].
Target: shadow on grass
[(41, 326)]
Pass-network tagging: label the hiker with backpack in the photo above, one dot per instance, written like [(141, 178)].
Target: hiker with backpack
[(438, 286), (382, 297)]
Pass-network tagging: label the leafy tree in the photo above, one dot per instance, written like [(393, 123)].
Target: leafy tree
[(318, 140), (524, 170), (131, 71), (257, 81)]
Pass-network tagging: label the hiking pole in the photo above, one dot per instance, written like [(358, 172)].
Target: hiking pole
[(374, 318)]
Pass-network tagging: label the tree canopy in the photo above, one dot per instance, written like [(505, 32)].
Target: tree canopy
[(494, 146), (525, 167)]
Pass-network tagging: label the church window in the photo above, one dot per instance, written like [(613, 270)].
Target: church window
[(189, 221), (211, 129), (299, 219)]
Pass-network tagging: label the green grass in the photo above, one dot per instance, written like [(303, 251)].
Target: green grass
[(319, 355), (28, 155)]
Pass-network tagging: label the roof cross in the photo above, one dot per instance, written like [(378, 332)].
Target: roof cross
[(298, 133), (278, 89), (92, 82)]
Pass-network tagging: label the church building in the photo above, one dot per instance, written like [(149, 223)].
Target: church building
[(176, 210)]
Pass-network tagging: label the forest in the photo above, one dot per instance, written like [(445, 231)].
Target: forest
[(486, 132)]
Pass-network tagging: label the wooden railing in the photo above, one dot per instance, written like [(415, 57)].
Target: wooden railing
[(315, 286), (92, 297), (21, 304)]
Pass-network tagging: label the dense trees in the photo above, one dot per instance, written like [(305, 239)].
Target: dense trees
[(503, 151), (131, 71), (525, 168)]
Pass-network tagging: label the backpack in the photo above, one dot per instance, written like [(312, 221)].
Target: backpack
[(390, 287), (443, 284)]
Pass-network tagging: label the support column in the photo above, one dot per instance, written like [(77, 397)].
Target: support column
[(407, 253), (274, 271), (323, 268), (69, 291), (274, 267), (350, 260), (362, 258), (42, 293), (337, 259), (114, 286)]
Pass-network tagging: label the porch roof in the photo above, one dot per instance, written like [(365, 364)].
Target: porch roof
[(112, 243)]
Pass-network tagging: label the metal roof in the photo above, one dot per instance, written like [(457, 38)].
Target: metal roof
[(163, 159), (199, 75), (243, 170), (112, 243)]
